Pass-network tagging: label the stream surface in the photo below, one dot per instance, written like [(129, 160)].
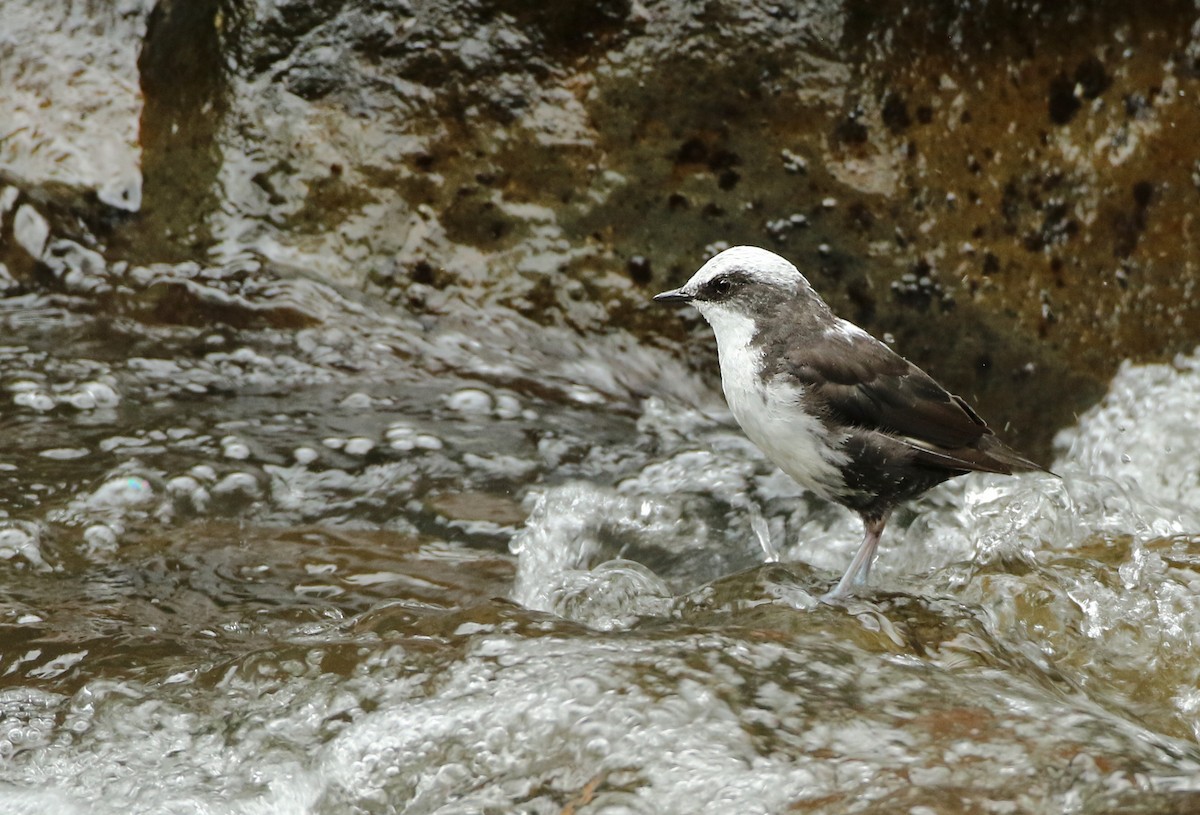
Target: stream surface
[(348, 469), (339, 560)]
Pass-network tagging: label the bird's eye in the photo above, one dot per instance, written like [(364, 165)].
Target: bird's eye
[(721, 286)]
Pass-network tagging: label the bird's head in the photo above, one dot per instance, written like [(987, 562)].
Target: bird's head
[(743, 283)]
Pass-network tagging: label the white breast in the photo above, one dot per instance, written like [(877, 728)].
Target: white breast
[(771, 414)]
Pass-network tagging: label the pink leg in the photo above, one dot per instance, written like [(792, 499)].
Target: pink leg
[(860, 568)]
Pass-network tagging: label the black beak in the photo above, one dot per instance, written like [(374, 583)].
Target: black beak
[(673, 296)]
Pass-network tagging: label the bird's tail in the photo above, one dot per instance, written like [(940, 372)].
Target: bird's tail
[(996, 451), (987, 455)]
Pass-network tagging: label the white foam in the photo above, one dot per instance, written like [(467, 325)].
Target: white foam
[(1144, 434), (560, 568)]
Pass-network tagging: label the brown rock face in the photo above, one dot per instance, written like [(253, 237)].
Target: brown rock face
[(1008, 190)]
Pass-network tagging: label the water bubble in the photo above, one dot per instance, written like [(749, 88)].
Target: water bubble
[(427, 441), (234, 448), (188, 493), (101, 393), (470, 401), (237, 484), (99, 539), (358, 446), (357, 401), (91, 395), (120, 492), (203, 472), (30, 230), (305, 455), (64, 453), (21, 539), (507, 406), (37, 400)]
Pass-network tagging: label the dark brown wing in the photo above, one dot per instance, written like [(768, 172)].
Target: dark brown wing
[(856, 380), (862, 382)]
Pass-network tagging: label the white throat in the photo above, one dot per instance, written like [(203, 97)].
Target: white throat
[(734, 332)]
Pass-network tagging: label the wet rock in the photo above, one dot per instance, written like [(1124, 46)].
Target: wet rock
[(618, 146), (461, 152), (70, 111)]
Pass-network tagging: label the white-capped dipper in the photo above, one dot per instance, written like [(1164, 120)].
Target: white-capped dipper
[(832, 406)]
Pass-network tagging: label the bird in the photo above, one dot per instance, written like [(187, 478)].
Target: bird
[(839, 411)]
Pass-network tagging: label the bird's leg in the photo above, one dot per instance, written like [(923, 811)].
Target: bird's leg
[(860, 568)]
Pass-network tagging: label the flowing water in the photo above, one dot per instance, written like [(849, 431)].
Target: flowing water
[(484, 544), (325, 558)]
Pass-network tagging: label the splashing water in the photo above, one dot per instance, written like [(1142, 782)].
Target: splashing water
[(1030, 645)]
